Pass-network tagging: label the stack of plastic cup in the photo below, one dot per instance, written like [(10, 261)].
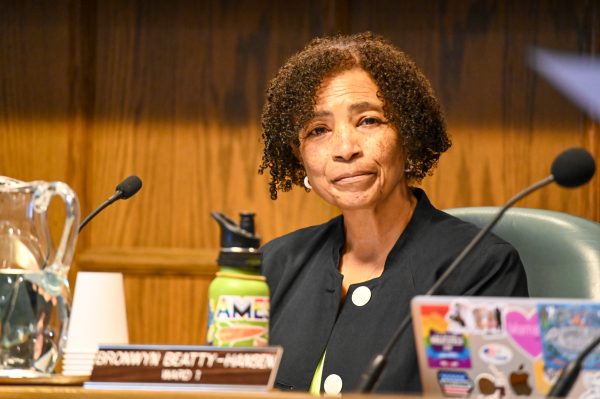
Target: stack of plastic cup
[(98, 316)]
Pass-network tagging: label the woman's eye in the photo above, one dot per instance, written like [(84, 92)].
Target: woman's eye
[(369, 120), (317, 131)]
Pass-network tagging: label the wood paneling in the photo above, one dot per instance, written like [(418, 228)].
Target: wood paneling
[(34, 90), (167, 309), (92, 91), (506, 122), (153, 261), (179, 89)]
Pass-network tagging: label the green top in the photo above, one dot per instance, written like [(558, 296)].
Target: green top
[(315, 385)]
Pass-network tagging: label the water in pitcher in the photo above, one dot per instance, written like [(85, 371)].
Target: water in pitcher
[(34, 311)]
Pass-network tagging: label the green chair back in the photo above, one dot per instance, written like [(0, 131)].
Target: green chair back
[(560, 252)]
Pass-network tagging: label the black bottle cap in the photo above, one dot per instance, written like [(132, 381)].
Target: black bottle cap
[(239, 244)]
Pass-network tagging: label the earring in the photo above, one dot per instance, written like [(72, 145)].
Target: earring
[(409, 167), (307, 183)]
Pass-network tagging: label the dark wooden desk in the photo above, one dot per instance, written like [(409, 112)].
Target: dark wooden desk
[(76, 392)]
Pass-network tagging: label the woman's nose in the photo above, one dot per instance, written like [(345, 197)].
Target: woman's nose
[(346, 144)]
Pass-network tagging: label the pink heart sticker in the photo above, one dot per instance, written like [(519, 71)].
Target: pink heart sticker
[(525, 331)]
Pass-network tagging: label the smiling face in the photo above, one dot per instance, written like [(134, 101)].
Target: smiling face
[(351, 154)]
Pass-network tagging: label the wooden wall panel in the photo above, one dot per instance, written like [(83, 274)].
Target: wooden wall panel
[(35, 99), (92, 91), (40, 131), (174, 309), (179, 88), (506, 122)]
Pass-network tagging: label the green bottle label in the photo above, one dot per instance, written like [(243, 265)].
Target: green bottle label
[(238, 320)]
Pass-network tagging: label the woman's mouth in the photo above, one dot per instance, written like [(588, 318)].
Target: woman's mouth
[(353, 178)]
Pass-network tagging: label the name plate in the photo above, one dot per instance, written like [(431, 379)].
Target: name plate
[(185, 367)]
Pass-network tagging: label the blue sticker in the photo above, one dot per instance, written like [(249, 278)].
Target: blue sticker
[(566, 330)]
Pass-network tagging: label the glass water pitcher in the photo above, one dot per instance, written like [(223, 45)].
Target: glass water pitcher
[(34, 291)]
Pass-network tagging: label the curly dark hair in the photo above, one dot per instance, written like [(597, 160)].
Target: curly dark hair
[(409, 103)]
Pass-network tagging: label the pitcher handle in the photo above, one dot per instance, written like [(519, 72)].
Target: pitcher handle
[(41, 200)]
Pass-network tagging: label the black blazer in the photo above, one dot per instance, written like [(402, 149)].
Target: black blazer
[(307, 316)]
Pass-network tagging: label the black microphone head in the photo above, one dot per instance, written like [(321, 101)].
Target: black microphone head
[(573, 167), (129, 186)]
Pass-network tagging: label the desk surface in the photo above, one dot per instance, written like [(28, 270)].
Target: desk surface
[(71, 392)]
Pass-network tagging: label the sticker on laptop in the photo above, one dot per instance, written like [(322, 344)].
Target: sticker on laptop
[(494, 353), (456, 384), (566, 331), (591, 383), (523, 329), (544, 378), (481, 318), (493, 384), (519, 382), (444, 349)]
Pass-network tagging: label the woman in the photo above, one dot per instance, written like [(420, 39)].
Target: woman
[(355, 121)]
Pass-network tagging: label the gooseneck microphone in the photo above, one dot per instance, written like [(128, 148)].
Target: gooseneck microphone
[(124, 190), (571, 168), (570, 372)]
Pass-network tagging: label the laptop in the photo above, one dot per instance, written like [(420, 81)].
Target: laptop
[(488, 347)]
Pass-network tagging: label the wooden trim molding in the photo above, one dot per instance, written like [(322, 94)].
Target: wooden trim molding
[(149, 260)]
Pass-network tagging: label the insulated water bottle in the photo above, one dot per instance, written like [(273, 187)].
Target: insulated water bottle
[(238, 296)]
